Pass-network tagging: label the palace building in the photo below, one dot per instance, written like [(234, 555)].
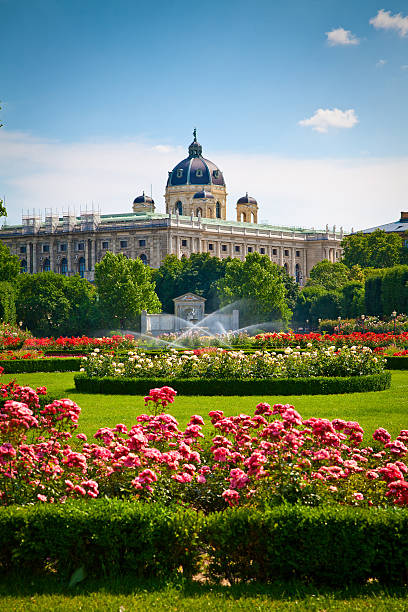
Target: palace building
[(195, 221)]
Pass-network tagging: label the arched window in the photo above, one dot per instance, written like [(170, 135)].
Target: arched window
[(298, 273), (243, 217), (143, 257), (46, 265), (64, 267), (81, 267), (179, 207), (199, 212), (218, 210), (23, 264)]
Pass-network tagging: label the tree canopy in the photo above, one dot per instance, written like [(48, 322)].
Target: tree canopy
[(330, 276), (9, 264), (125, 288), (198, 273), (257, 283), (376, 250)]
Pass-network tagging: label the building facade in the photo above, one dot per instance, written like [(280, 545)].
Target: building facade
[(195, 222)]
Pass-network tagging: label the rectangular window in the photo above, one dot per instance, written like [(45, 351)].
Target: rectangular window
[(286, 252), (105, 244), (46, 248), (262, 250), (184, 243), (63, 248), (224, 248), (237, 248), (210, 246), (297, 253), (123, 244), (249, 249), (142, 242), (81, 246), (274, 251), (23, 249)]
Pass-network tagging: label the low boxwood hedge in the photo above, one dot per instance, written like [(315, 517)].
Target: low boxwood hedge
[(49, 364), (397, 363), (272, 386), (333, 545)]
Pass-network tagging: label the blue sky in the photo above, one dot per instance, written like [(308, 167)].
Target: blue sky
[(100, 97)]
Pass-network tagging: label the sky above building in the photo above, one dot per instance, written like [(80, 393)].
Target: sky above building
[(302, 104)]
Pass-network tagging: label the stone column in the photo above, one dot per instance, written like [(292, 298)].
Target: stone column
[(69, 256), (34, 257), (281, 256), (86, 257), (93, 254), (52, 244)]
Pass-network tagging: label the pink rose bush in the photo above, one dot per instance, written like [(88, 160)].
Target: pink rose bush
[(258, 460)]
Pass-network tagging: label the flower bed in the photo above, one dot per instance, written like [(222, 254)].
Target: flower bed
[(82, 343), (272, 457), (220, 364), (370, 339)]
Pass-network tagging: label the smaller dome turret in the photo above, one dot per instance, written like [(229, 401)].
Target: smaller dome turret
[(143, 203), (247, 209)]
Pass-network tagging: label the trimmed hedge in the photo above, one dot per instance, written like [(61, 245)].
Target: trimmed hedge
[(397, 363), (52, 364), (327, 545), (272, 386)]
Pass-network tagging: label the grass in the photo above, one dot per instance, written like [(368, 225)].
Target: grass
[(385, 408), (125, 594)]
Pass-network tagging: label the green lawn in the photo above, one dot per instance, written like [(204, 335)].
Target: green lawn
[(125, 594), (387, 409)]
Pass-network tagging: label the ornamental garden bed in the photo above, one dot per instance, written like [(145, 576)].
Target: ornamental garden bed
[(322, 385)]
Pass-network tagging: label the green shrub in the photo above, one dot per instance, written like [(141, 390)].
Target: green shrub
[(272, 386), (396, 363), (335, 546), (61, 364)]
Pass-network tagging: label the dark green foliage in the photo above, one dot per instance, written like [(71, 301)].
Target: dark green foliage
[(334, 545), (124, 288), (56, 364), (397, 363), (51, 304), (273, 386), (375, 250), (105, 537), (307, 300), (394, 290), (372, 297), (7, 302), (352, 299), (198, 273), (9, 264), (327, 306)]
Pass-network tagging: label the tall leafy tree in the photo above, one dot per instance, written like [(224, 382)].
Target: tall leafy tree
[(125, 288), (9, 264), (376, 250), (258, 286), (330, 276)]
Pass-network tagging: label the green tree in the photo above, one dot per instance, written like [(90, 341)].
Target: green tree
[(125, 288), (330, 276), (378, 249), (292, 288), (305, 302), (352, 300), (9, 264), (327, 306), (41, 303), (257, 283), (198, 273)]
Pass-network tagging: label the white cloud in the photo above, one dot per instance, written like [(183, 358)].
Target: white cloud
[(381, 63), (404, 67), (340, 36), (323, 119), (39, 174), (385, 21)]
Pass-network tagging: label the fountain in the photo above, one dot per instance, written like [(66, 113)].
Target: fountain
[(189, 315)]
